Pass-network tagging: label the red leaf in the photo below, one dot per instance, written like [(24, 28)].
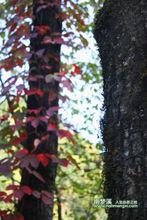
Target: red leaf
[(68, 34), (52, 110), (72, 73), (27, 190), (19, 62), (55, 40), (35, 123), (19, 217), (63, 73), (68, 84), (44, 138), (12, 187), (43, 118), (43, 159), (63, 162), (59, 40), (5, 169), (2, 194), (50, 156), (16, 141), (21, 153), (64, 16), (30, 119), (9, 217), (23, 136), (24, 162), (3, 213), (47, 40), (8, 199), (52, 127), (14, 217), (17, 125), (77, 69), (35, 111), (10, 151), (43, 29), (4, 117), (65, 134), (13, 26), (19, 139), (33, 161), (29, 160), (34, 92), (18, 194)]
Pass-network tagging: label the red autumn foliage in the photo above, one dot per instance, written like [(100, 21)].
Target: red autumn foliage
[(43, 29), (21, 153), (64, 162), (34, 92), (14, 217), (27, 190), (19, 139), (77, 69), (65, 134), (3, 213), (19, 30), (43, 159)]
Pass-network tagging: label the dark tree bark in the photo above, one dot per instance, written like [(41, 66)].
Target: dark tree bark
[(45, 60), (121, 35)]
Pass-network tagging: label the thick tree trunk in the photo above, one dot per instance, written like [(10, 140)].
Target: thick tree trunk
[(45, 61), (121, 34)]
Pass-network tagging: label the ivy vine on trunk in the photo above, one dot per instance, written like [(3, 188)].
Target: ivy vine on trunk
[(43, 96)]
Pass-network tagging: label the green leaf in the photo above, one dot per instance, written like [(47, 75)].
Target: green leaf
[(3, 35)]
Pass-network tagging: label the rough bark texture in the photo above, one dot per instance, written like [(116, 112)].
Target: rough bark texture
[(46, 13), (121, 34)]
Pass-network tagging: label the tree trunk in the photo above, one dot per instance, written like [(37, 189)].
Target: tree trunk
[(45, 61), (121, 35)]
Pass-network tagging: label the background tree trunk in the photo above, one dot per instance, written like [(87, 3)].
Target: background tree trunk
[(45, 60), (121, 34)]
